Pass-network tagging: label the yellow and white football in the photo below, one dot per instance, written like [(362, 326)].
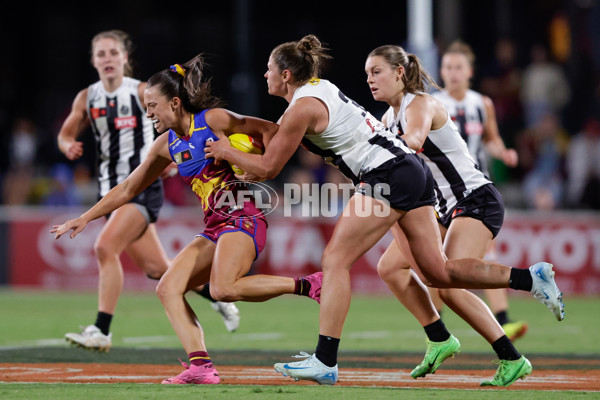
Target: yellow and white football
[(244, 143)]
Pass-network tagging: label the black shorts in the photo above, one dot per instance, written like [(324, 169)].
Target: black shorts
[(484, 203), (151, 199), (408, 179)]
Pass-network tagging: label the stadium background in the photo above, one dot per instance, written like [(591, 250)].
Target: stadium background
[(46, 62)]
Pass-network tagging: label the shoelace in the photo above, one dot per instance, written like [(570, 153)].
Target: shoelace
[(185, 365), (503, 364), (431, 347), (85, 331), (425, 361), (302, 354)]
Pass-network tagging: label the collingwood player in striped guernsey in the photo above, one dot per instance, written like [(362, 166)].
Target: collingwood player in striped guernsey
[(469, 207), (115, 110), (475, 118), (472, 112), (394, 187)]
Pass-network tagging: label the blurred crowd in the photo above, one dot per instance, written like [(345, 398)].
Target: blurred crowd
[(558, 147)]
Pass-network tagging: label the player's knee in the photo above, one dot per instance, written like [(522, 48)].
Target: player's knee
[(225, 297), (434, 279), (166, 289), (330, 261), (224, 293), (444, 294), (388, 268), (155, 271), (103, 251), (154, 275), (161, 290), (384, 269)]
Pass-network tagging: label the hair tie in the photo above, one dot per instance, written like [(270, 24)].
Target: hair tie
[(179, 69)]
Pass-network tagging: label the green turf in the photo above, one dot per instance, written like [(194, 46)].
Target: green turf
[(290, 323), (34, 323), (124, 391)]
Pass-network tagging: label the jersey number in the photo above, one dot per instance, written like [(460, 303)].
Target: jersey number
[(347, 100)]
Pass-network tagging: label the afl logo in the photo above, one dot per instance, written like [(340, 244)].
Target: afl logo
[(234, 195)]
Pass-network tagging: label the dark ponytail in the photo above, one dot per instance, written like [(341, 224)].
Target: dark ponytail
[(186, 82), (301, 58)]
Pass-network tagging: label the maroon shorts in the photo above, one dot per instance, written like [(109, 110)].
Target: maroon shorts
[(255, 227)]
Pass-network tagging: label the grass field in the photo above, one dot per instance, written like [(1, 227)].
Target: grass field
[(288, 323), (156, 392), (34, 324)]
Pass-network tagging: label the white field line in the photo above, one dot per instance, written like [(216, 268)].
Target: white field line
[(269, 336), (237, 337)]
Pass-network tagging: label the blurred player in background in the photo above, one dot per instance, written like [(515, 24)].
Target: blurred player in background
[(182, 109), (394, 186), (469, 207), (114, 108), (475, 117)]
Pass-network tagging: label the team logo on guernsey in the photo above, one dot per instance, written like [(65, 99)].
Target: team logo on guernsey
[(97, 112), (314, 81), (248, 225), (182, 156)]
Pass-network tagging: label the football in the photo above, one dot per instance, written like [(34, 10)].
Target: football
[(244, 143)]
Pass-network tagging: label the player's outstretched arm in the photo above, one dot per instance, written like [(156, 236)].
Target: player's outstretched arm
[(147, 172)]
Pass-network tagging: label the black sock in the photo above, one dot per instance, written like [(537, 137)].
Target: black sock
[(327, 349), (520, 279), (505, 349), (205, 292), (502, 317), (436, 331), (302, 286), (103, 321)]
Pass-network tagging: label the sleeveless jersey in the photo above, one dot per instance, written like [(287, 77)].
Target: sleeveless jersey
[(354, 140), (446, 154), (123, 133), (210, 182), (469, 116)]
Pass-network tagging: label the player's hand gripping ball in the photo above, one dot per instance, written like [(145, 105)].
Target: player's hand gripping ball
[(244, 143)]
